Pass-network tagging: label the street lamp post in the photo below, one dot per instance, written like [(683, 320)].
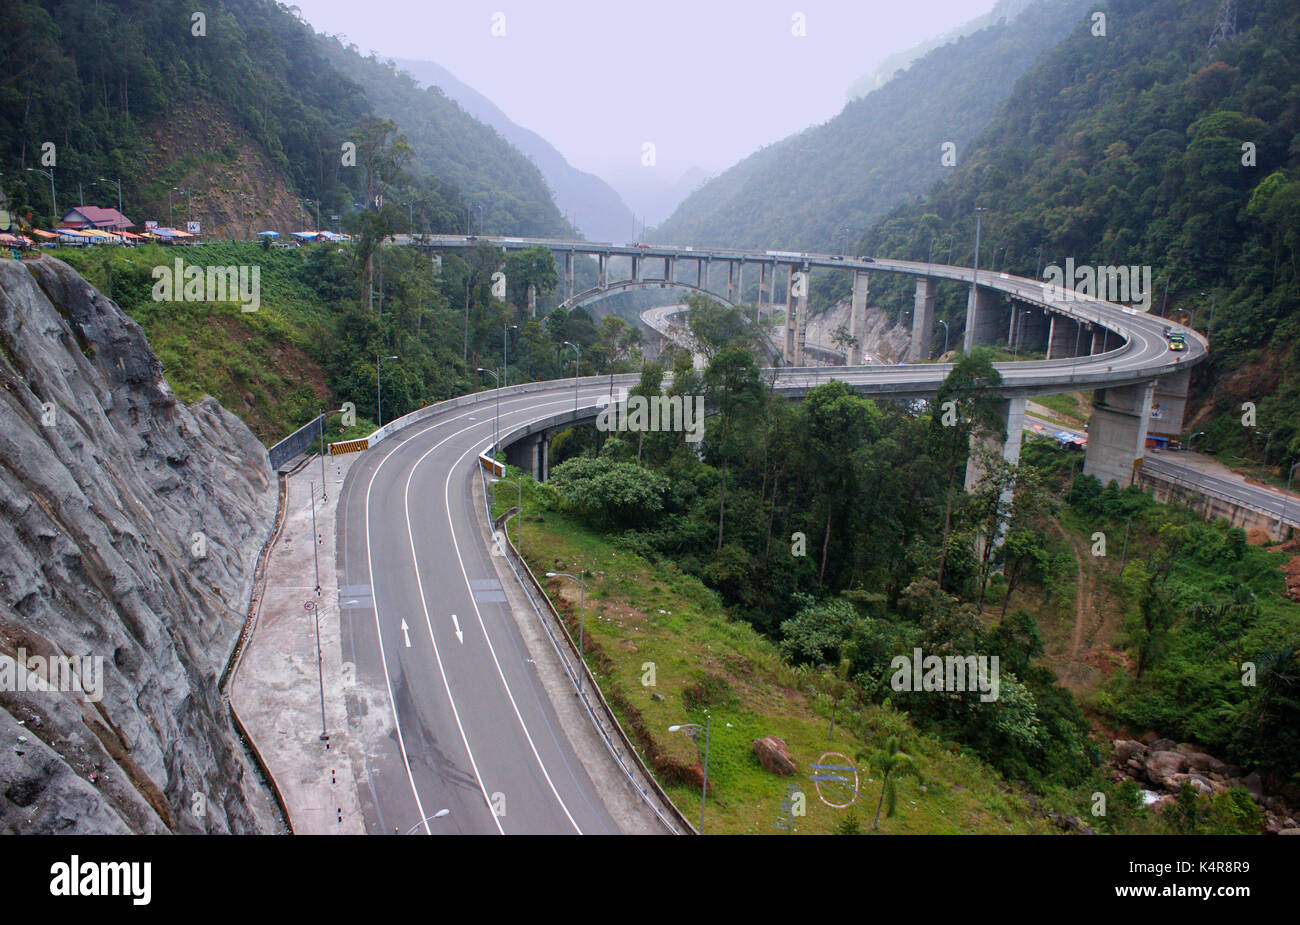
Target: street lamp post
[(118, 184), (496, 424), (1209, 328), (1199, 433), (54, 203), (582, 603), (945, 335), (576, 369), (379, 389), (505, 347), (438, 815), (1015, 347), (314, 609), (693, 733), (975, 271)]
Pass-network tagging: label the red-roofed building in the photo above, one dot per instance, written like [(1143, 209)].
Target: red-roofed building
[(95, 217)]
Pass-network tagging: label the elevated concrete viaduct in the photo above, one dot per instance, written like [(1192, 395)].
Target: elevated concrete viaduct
[(1118, 352)]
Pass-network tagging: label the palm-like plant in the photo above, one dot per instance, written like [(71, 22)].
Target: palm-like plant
[(892, 764)]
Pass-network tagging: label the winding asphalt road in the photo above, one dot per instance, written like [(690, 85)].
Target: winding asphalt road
[(424, 620), (459, 717)]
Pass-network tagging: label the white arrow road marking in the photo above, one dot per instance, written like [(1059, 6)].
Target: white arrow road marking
[(460, 637), (406, 635)]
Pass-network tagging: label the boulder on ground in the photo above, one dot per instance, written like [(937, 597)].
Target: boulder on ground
[(773, 755), (1128, 748), (1161, 765)]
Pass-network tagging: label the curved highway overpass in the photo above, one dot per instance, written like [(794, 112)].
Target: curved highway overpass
[(478, 727)]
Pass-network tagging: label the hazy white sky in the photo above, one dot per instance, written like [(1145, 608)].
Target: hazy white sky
[(706, 81)]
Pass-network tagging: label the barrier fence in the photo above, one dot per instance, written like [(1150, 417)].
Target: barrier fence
[(297, 442)]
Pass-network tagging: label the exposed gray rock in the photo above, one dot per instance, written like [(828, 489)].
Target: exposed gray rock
[(105, 478)]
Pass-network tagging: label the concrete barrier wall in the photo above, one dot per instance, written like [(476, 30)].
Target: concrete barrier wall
[(1211, 505), (297, 442), (624, 380)]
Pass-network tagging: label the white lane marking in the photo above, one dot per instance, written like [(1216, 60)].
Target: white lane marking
[(460, 637), (388, 684), (428, 621), (446, 496), (406, 634)]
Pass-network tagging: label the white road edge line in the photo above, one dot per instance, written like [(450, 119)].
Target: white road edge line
[(392, 704), (461, 561)]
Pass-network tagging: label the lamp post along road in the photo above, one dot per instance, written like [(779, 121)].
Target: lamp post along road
[(694, 729), (576, 371), (496, 422), (54, 202), (505, 359), (118, 184), (975, 272), (379, 389)]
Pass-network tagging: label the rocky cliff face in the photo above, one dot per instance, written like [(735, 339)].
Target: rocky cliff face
[(130, 527)]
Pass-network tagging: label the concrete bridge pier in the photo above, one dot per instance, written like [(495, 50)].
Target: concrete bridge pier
[(1117, 433), (922, 320), (1032, 328), (858, 315), (982, 318), (568, 275), (796, 324), (636, 268), (1101, 340), (670, 269), (532, 454), (601, 267), (734, 271), (1012, 412), (1063, 334), (1168, 403), (763, 285)]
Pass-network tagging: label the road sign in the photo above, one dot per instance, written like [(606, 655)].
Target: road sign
[(193, 227), (150, 226)]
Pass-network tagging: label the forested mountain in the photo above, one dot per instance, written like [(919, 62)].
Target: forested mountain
[(1173, 141), (591, 204), (882, 74), (449, 143), (132, 90), (824, 187)]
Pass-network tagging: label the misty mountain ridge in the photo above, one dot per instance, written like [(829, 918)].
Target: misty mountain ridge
[(825, 186), (591, 204)]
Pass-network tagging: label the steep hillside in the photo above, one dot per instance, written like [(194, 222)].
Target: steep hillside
[(238, 118), (591, 204), (107, 484), (1172, 142), (451, 144), (885, 71), (824, 187)]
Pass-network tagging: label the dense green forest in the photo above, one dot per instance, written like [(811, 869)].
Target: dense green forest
[(98, 80), (316, 337), (823, 188), (837, 526), (1163, 143)]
